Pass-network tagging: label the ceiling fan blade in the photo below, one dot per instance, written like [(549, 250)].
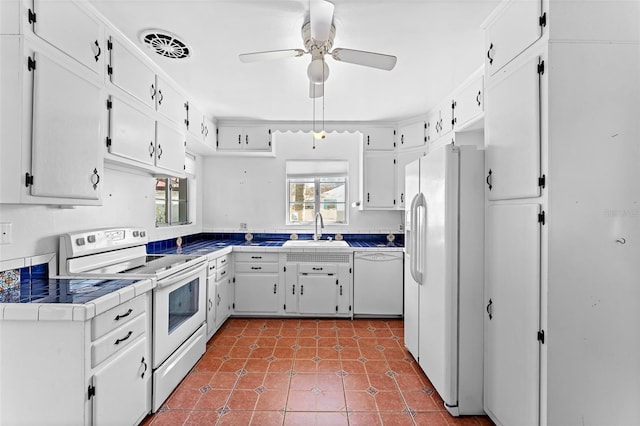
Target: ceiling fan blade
[(270, 55), (321, 17), (368, 59), (316, 90)]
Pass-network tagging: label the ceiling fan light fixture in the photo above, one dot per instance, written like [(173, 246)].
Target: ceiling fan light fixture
[(318, 71)]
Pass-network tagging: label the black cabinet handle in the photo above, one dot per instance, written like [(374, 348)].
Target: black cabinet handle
[(97, 55), (160, 97), (151, 149), (256, 268), (275, 287), (478, 97), (246, 139), (340, 290), (316, 269), (210, 304), (124, 338), (153, 91), (240, 139), (490, 309), (301, 290), (489, 180), (124, 315), (145, 368), (294, 289), (489, 54), (256, 257), (95, 179), (159, 151), (402, 197)]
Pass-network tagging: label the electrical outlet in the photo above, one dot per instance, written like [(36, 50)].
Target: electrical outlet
[(6, 233), (401, 228), (243, 225)]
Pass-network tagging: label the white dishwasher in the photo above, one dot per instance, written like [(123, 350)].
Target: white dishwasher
[(378, 283)]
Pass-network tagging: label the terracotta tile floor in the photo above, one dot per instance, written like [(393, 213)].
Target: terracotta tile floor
[(307, 372)]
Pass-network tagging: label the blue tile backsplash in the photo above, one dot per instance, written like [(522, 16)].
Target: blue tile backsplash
[(17, 285)]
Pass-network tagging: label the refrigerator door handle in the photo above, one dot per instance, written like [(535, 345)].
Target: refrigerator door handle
[(417, 202)]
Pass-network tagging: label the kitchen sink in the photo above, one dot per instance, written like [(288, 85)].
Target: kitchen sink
[(314, 243)]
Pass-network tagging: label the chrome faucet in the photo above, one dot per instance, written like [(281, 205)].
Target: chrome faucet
[(317, 236)]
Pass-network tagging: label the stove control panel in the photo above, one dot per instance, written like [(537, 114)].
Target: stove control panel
[(82, 243)]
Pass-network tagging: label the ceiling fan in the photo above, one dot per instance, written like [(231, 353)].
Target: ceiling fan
[(318, 33)]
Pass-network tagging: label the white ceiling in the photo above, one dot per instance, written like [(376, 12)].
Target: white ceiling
[(438, 44)]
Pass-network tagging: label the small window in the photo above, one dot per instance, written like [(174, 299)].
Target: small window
[(324, 194), (172, 201)]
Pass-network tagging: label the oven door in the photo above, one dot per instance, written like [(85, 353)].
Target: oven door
[(179, 308)]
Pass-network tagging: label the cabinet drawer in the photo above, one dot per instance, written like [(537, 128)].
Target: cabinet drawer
[(222, 273), (121, 314), (257, 267), (256, 257), (222, 261), (318, 268), (111, 343)]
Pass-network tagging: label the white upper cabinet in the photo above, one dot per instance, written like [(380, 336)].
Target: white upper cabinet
[(468, 102), (250, 138), (66, 149), (379, 181), (170, 149), (380, 139), (129, 72), (132, 132), (412, 135), (512, 130), (67, 26), (514, 26), (170, 102)]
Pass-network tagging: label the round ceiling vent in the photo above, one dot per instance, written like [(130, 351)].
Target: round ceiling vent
[(166, 44)]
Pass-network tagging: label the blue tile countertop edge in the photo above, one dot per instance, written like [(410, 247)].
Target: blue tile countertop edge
[(206, 241)]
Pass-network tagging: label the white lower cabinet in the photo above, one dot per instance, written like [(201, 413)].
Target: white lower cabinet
[(124, 387), (512, 318), (317, 284), (219, 292), (256, 283), (71, 371)]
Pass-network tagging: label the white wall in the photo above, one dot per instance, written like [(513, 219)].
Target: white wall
[(128, 200), (252, 189)]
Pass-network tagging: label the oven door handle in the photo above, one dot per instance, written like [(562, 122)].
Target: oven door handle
[(183, 276)]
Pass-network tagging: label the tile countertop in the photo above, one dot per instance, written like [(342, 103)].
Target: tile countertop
[(204, 245)]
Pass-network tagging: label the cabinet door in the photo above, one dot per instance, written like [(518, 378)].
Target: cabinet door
[(257, 138), (318, 294), (445, 120), (212, 306), (71, 29), (66, 149), (132, 133), (412, 135), (170, 102), (123, 391), (512, 319), (380, 139), (379, 181), (208, 132), (195, 124), (291, 288), (256, 293), (405, 158), (345, 284), (469, 104), (229, 138), (516, 27), (128, 72), (512, 129), (170, 149)]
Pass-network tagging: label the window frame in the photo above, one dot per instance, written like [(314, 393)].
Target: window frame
[(317, 203), (168, 210)]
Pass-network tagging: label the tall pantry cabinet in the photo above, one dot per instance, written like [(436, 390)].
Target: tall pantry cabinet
[(563, 216)]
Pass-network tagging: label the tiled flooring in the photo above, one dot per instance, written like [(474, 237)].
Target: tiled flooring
[(307, 372)]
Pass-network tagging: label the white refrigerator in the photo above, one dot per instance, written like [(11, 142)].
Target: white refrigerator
[(444, 249)]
